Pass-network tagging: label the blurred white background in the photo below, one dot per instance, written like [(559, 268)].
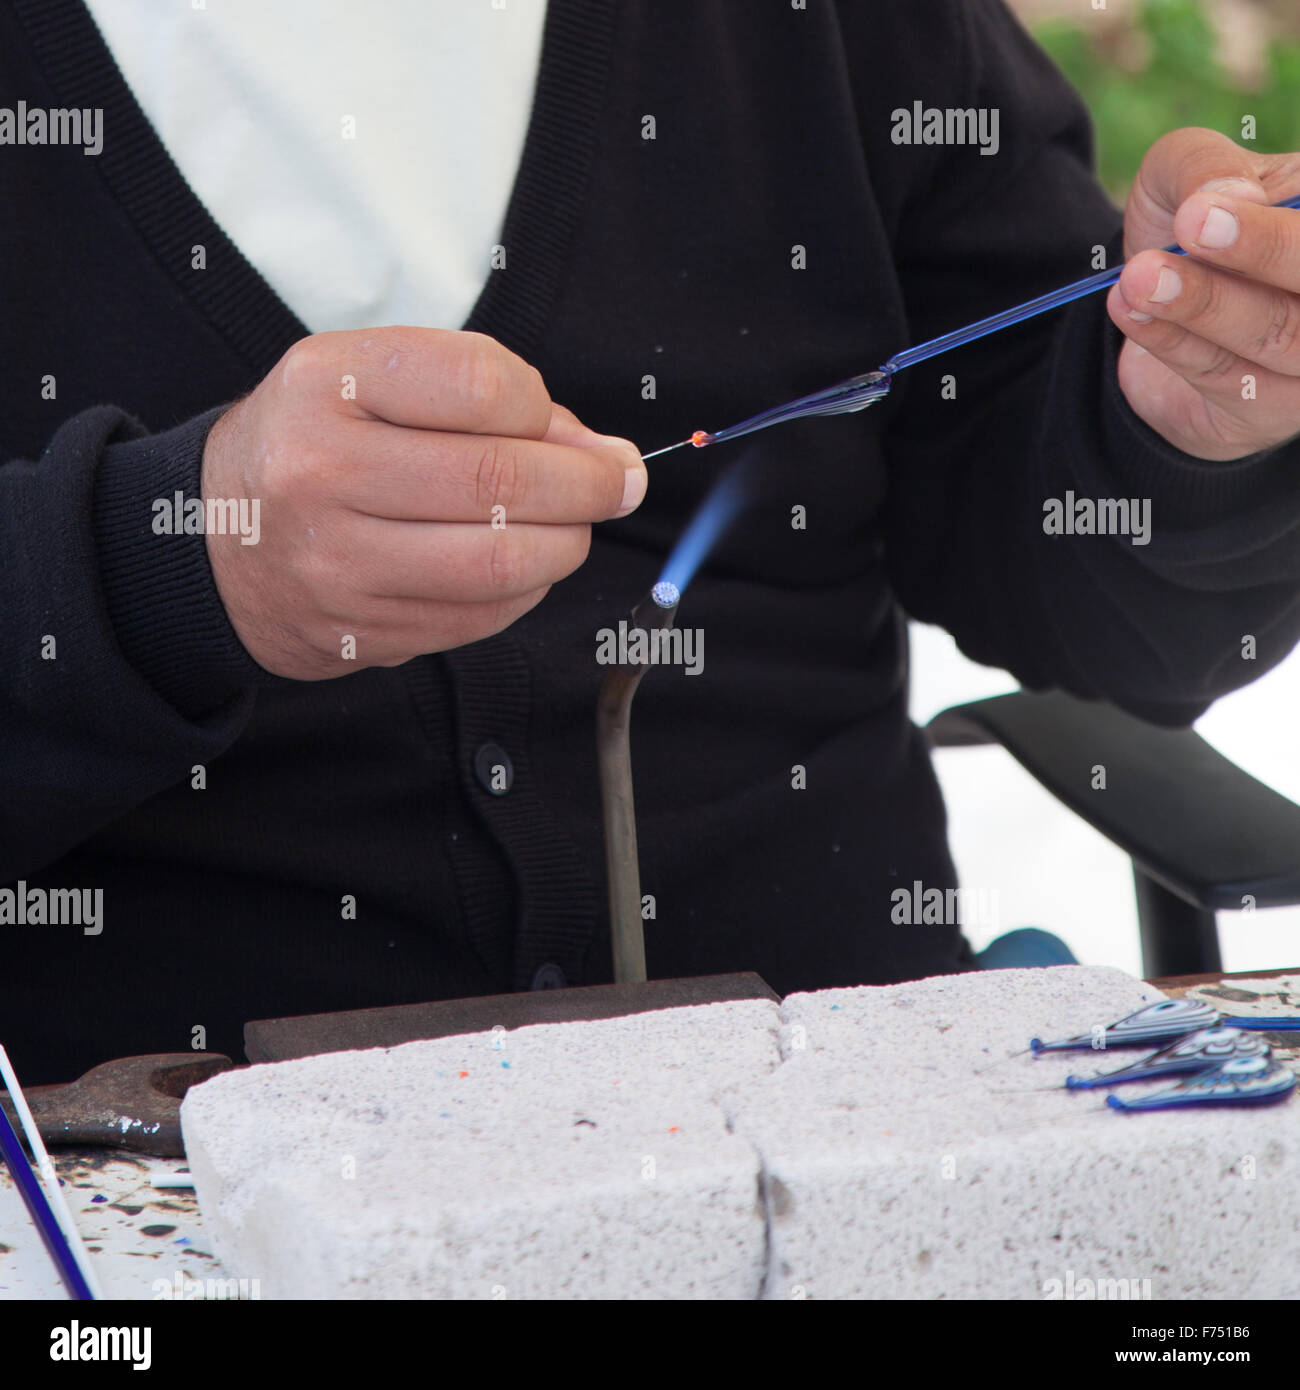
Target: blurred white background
[(1051, 870)]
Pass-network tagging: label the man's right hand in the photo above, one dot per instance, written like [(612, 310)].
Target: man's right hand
[(381, 460)]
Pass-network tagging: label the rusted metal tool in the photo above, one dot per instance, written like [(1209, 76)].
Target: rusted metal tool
[(132, 1103), (308, 1035)]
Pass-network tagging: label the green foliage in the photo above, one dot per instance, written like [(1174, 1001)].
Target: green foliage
[(1182, 84)]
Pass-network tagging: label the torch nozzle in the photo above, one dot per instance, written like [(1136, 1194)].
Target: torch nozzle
[(614, 757)]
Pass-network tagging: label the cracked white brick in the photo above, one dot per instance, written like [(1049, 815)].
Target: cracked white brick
[(572, 1160), (908, 1154)]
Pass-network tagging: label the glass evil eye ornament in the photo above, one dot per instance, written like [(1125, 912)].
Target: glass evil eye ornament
[(1197, 1052), (1156, 1023), (1244, 1081)]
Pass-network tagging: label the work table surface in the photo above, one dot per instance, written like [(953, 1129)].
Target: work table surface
[(138, 1236)]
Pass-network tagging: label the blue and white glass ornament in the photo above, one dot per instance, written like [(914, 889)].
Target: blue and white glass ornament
[(1199, 1051), (1160, 1022), (1245, 1081)]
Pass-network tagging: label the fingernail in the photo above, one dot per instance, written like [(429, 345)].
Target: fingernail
[(1168, 287), (634, 486), (1219, 229), (1138, 316)]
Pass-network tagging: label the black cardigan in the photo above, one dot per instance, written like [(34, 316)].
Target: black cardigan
[(626, 257)]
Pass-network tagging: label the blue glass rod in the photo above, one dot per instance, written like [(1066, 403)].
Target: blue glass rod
[(858, 392)]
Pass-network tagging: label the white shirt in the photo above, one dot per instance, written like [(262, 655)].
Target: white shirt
[(361, 157)]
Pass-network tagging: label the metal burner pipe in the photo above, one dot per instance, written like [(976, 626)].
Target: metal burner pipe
[(614, 758)]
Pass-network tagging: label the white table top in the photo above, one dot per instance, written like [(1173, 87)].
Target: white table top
[(144, 1242)]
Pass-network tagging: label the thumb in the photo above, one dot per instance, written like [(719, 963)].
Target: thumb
[(1178, 165), (566, 428)]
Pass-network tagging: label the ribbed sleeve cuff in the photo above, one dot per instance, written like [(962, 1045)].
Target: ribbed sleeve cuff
[(161, 596), (1191, 491), (1203, 512)]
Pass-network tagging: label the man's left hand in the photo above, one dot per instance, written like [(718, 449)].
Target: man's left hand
[(1199, 325)]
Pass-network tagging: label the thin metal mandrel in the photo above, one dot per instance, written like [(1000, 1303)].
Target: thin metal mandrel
[(700, 438), (667, 449)]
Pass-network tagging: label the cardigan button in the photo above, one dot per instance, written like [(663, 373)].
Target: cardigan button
[(494, 770), (548, 976)]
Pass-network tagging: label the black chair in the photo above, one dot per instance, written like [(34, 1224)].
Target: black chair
[(1202, 834)]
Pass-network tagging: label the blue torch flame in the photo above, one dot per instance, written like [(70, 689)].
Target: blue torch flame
[(714, 515)]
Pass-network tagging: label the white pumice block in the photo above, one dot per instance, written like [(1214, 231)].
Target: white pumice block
[(579, 1160), (908, 1154)]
